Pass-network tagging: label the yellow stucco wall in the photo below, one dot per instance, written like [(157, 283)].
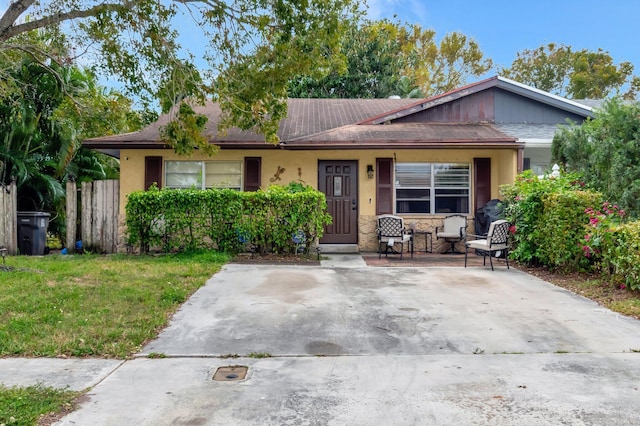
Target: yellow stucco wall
[(303, 166)]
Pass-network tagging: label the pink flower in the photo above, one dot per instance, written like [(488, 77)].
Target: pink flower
[(587, 237), (593, 221), (513, 229)]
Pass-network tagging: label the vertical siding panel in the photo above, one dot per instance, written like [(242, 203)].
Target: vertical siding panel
[(4, 216), (87, 214), (98, 212), (72, 215), (115, 216)]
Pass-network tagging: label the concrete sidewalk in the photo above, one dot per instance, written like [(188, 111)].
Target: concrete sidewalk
[(350, 344)]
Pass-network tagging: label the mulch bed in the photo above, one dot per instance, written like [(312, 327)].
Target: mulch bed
[(276, 259)]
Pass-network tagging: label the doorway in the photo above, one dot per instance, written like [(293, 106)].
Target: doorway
[(338, 180)]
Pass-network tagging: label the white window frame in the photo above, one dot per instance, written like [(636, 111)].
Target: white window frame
[(428, 183), (200, 181)]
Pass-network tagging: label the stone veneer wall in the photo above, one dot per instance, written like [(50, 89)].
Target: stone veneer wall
[(368, 238)]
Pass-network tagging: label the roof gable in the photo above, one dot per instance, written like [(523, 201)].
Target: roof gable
[(477, 103)]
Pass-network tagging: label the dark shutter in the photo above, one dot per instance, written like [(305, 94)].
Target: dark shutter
[(252, 173), (384, 185), (481, 181), (152, 172)]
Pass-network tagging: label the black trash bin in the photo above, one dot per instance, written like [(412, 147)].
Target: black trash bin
[(32, 232), (486, 214)]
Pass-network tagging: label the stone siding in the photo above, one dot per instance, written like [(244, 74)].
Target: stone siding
[(368, 238)]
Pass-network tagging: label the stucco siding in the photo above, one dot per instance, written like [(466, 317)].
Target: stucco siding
[(302, 166)]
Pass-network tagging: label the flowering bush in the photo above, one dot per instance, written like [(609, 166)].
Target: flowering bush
[(600, 229), (622, 255), (547, 218)]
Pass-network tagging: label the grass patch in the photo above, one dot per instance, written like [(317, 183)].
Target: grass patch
[(24, 406), (259, 355), (94, 306)]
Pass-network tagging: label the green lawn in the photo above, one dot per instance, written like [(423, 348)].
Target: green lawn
[(87, 306), (23, 406), (94, 306)]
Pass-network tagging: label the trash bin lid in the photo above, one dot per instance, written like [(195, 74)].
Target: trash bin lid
[(34, 214)]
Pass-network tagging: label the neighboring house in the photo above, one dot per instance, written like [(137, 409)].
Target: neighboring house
[(421, 159)]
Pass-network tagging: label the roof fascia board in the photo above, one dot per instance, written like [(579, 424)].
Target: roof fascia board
[(460, 144)]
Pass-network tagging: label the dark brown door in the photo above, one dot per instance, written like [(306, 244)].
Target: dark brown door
[(339, 182)]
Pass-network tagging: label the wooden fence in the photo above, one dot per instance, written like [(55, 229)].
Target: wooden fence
[(9, 218), (99, 219)]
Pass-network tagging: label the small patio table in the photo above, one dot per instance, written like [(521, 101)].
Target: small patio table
[(428, 240)]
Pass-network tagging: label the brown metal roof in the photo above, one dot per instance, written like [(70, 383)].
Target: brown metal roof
[(406, 135), (324, 124), (304, 117)]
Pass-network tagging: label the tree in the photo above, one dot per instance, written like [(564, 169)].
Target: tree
[(249, 43), (579, 74), (386, 58), (606, 151), (42, 124)]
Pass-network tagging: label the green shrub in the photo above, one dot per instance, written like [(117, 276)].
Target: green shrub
[(279, 219), (620, 254), (548, 218), (561, 228)]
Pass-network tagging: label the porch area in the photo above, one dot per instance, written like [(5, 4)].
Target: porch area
[(426, 260)]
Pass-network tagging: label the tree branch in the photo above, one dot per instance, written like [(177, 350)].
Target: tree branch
[(9, 30), (13, 13)]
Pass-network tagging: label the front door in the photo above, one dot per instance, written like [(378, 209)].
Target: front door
[(339, 182)]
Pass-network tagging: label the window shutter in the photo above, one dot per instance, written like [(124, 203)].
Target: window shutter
[(384, 185), (481, 181), (152, 172), (252, 173)]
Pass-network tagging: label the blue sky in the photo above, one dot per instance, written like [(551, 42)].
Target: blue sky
[(503, 28)]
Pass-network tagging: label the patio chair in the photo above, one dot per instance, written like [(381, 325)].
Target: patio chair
[(391, 231), (453, 230), (495, 242)]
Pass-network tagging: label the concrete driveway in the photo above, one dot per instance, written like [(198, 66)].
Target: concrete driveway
[(347, 344)]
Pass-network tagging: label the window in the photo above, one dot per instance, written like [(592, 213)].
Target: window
[(203, 174), (432, 188)]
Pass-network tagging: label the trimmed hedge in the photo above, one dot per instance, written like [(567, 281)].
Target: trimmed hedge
[(549, 219), (561, 228), (278, 220), (621, 255)]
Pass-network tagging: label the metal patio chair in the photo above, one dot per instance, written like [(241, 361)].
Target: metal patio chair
[(453, 230), (496, 241), (391, 231)]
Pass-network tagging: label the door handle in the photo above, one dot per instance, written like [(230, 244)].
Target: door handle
[(354, 206)]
